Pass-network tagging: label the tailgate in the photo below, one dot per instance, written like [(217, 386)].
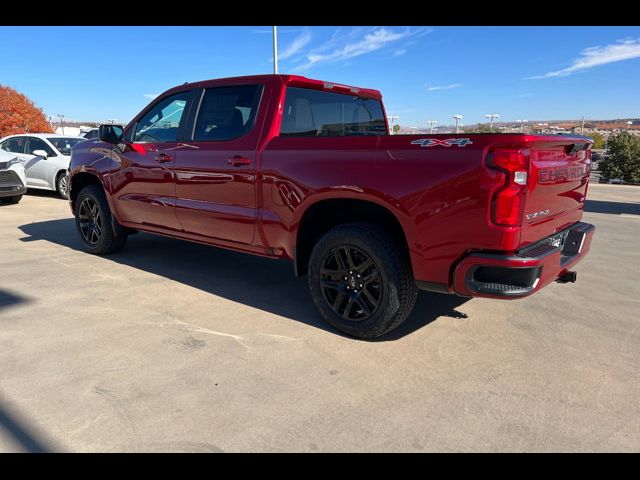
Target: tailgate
[(558, 178)]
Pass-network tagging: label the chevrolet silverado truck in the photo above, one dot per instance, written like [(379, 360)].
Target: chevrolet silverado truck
[(292, 168)]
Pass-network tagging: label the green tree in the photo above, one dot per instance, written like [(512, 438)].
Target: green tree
[(598, 140), (396, 128), (624, 158)]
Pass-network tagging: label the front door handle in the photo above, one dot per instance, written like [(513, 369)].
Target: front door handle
[(163, 158), (238, 160)]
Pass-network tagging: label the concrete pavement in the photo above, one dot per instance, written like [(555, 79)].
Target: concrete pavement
[(172, 346)]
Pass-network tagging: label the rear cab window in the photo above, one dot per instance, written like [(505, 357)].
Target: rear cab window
[(316, 113)]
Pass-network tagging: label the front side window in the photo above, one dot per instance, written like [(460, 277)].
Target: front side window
[(39, 144), (64, 145), (14, 145), (316, 113), (162, 122), (227, 112)]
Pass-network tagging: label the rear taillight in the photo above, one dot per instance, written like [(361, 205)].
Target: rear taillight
[(507, 203)]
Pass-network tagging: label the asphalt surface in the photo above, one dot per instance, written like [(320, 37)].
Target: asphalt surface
[(171, 346)]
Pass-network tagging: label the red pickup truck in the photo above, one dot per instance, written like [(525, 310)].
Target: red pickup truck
[(284, 166)]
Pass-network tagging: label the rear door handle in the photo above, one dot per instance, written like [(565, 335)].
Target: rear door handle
[(238, 160), (163, 158)]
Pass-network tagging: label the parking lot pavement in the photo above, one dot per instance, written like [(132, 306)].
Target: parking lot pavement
[(172, 346)]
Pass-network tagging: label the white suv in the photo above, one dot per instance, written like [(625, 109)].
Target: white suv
[(45, 157), (13, 182)]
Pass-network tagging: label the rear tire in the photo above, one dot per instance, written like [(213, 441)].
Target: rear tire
[(361, 280), (62, 185), (11, 200), (94, 223)]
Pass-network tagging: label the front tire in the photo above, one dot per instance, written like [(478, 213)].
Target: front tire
[(94, 222), (62, 185), (361, 280)]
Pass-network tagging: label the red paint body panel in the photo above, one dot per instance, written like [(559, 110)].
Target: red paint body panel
[(441, 195)]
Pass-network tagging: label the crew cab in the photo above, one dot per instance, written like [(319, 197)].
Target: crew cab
[(289, 167)]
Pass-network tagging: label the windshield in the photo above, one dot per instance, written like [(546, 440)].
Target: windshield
[(64, 145)]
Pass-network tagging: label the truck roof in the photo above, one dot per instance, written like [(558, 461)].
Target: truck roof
[(291, 80)]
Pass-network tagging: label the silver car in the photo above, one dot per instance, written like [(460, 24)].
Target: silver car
[(45, 157)]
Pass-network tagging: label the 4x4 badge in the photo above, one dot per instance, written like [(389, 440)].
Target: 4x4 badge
[(449, 142)]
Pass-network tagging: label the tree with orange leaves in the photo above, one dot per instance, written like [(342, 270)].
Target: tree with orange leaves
[(18, 114)]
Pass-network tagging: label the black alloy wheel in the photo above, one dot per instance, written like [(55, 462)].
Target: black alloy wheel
[(100, 232), (350, 283), (90, 219), (360, 279)]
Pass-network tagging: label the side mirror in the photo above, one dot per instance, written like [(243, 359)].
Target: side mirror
[(110, 133), (40, 153)]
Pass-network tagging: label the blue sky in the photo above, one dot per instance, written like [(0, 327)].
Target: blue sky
[(424, 73)]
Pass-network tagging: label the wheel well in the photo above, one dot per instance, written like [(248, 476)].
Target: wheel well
[(326, 214), (79, 181)]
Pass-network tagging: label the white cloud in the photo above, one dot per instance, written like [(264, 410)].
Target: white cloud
[(400, 52), (594, 56), (298, 44), (443, 87), (151, 95), (375, 40)]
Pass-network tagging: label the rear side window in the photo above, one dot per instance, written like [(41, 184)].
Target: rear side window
[(315, 113), (227, 112), (162, 122)]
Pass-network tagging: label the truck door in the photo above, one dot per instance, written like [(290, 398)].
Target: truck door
[(216, 171), (143, 186)]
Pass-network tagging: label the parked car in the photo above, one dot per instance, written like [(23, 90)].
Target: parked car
[(12, 178), (91, 134), (45, 157), (284, 166)]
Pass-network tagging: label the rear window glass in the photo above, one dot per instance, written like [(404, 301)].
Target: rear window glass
[(227, 112), (315, 113)]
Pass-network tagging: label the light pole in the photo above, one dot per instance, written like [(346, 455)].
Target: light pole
[(457, 118), (521, 122), (431, 123), (61, 120), (392, 118), (491, 116), (275, 50)]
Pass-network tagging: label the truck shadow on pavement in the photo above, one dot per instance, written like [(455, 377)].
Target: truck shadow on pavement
[(8, 299), (254, 281), (616, 208), (26, 436)]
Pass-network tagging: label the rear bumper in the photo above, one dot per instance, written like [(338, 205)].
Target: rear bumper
[(525, 272)]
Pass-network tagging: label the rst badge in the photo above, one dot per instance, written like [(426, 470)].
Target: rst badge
[(449, 142)]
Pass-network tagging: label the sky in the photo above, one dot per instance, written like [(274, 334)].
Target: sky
[(424, 73)]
